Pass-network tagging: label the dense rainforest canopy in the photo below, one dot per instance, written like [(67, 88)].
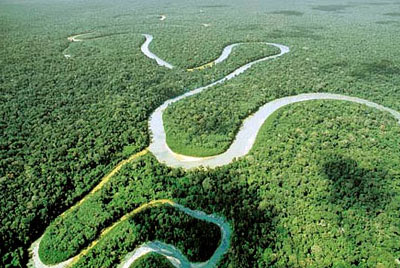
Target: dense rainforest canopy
[(321, 194), (152, 260), (320, 187)]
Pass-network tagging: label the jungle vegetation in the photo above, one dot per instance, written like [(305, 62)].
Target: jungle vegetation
[(152, 260), (320, 188), (317, 186)]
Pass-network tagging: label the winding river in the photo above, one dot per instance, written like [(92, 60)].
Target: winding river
[(241, 145), (247, 134)]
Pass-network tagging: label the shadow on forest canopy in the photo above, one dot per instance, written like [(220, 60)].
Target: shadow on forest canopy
[(331, 8), (288, 13), (380, 67), (354, 186)]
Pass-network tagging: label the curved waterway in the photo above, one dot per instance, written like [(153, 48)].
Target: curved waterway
[(174, 255), (241, 145), (247, 134), (146, 51)]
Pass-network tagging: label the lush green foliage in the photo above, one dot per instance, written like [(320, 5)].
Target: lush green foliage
[(67, 122), (68, 235), (151, 260), (65, 125), (320, 188), (332, 174), (183, 138), (196, 239), (206, 124)]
